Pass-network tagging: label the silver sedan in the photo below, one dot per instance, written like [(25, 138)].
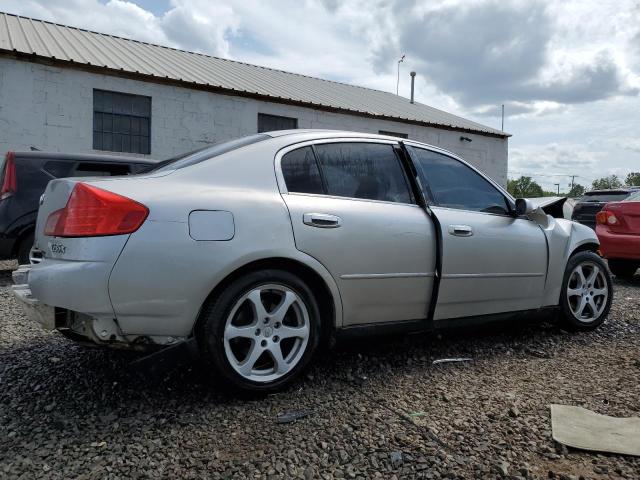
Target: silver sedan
[(263, 248)]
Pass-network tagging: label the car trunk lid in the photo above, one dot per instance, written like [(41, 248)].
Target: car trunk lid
[(627, 215)]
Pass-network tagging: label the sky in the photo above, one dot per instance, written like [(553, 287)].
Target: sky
[(567, 72)]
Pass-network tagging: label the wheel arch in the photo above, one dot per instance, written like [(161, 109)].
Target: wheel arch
[(587, 246), (328, 300)]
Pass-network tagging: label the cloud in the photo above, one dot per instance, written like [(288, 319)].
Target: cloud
[(196, 25), (491, 52), (568, 72)]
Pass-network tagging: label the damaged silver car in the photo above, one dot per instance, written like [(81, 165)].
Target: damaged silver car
[(261, 249)]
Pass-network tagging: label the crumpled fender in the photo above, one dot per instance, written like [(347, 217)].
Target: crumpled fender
[(564, 237)]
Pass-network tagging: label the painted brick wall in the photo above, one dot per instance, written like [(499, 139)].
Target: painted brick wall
[(51, 108)]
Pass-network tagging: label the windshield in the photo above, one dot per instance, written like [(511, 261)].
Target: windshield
[(205, 153)]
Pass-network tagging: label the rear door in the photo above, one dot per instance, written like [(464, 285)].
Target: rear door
[(492, 262), (352, 209)]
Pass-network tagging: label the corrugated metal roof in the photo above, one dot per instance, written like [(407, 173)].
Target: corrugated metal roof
[(62, 43)]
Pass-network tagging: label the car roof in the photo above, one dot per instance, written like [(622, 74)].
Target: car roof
[(85, 157), (328, 133), (612, 190)]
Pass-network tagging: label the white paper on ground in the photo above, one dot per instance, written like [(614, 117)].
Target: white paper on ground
[(581, 428)]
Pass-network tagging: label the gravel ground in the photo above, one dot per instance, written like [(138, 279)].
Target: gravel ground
[(378, 408)]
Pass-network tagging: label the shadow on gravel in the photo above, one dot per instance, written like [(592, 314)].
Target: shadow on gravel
[(54, 367), (60, 388), (5, 277)]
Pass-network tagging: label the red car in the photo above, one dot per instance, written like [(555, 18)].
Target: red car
[(618, 228)]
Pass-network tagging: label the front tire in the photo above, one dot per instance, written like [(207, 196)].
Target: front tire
[(587, 292), (260, 333), (623, 268)]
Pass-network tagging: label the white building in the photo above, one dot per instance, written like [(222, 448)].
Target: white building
[(67, 89)]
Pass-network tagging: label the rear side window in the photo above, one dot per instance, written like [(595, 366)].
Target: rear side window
[(452, 184), (369, 171), (300, 171)]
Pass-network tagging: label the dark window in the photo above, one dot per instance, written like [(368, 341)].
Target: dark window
[(393, 134), (300, 171), (58, 169), (271, 123), (99, 169), (452, 184), (121, 122), (603, 197), (363, 170)]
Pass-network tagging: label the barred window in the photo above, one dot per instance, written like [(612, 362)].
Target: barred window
[(121, 122)]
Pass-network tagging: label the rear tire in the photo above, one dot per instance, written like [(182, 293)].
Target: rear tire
[(24, 248), (623, 268), (260, 333), (587, 292)]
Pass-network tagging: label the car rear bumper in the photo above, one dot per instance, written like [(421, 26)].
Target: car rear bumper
[(100, 329), (34, 309), (615, 245)]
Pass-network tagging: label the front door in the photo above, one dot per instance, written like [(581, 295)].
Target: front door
[(352, 209), (492, 261)]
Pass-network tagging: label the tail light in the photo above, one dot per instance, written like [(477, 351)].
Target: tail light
[(9, 180), (606, 218), (93, 212)]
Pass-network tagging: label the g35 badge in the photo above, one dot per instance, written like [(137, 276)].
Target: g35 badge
[(57, 248)]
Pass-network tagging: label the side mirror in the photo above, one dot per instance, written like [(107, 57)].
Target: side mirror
[(524, 206)]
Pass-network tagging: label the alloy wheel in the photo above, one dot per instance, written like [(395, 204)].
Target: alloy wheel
[(266, 333), (587, 291)]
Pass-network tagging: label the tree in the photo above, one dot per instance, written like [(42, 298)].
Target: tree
[(524, 187), (612, 181), (576, 191), (633, 179)]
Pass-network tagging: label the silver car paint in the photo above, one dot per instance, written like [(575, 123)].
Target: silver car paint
[(382, 254), (159, 277), (500, 266)]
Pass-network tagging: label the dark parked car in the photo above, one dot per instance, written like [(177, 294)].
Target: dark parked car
[(23, 179), (591, 203)]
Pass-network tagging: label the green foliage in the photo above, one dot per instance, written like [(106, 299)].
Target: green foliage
[(577, 190), (524, 187), (633, 179), (612, 181)]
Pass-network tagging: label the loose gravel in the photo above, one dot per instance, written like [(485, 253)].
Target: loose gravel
[(368, 409)]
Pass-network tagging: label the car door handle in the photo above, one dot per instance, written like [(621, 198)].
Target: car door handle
[(321, 220), (460, 230)]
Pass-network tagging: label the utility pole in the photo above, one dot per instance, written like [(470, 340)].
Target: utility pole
[(502, 127), (398, 80), (572, 181), (557, 185)]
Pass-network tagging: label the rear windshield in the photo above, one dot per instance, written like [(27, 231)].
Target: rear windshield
[(604, 196), (635, 197), (202, 154)]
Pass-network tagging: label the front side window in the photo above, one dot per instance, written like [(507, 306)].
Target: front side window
[(121, 122), (363, 170), (452, 184)]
